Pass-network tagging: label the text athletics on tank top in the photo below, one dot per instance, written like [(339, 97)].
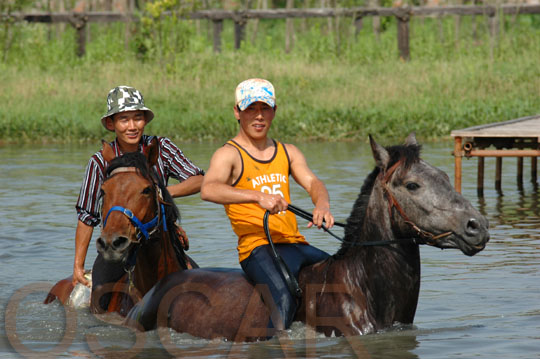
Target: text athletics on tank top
[(272, 177)]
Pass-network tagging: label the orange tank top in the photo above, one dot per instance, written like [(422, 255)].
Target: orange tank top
[(270, 176)]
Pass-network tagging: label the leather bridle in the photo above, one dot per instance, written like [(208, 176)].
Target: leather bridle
[(143, 229), (427, 236)]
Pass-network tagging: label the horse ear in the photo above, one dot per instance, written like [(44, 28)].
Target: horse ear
[(380, 154), (411, 139), (107, 151), (152, 152)]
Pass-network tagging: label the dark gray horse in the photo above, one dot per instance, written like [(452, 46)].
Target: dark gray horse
[(404, 202)]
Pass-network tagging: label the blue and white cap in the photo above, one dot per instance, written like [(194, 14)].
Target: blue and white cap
[(254, 90)]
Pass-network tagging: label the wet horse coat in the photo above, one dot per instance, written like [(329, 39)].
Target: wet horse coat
[(360, 289)]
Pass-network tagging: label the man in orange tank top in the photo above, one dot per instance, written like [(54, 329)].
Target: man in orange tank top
[(250, 175)]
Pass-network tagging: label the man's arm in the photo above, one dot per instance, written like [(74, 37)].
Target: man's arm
[(316, 189), (187, 187), (83, 235), (217, 187), (178, 166)]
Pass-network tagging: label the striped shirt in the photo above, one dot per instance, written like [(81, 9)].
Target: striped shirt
[(171, 163)]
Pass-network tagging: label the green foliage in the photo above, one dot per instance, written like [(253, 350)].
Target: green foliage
[(329, 87), (9, 30), (161, 33), (10, 6)]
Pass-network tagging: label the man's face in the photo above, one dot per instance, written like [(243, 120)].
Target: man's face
[(256, 119), (128, 126)]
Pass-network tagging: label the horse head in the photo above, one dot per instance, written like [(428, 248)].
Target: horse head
[(131, 208), (421, 202)]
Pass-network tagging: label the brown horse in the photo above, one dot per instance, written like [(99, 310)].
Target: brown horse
[(139, 243), (371, 283)]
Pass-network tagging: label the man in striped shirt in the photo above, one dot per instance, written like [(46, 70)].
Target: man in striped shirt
[(127, 116)]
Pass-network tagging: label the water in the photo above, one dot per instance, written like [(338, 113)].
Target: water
[(486, 306)]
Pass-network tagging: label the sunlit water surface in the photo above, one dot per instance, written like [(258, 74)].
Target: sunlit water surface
[(486, 306)]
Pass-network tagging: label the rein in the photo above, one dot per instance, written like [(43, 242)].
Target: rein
[(308, 217), (290, 279), (427, 236)]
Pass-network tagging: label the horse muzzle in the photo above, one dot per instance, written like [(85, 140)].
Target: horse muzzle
[(113, 248), (470, 240)]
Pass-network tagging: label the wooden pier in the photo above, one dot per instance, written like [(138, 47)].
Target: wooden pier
[(515, 138)]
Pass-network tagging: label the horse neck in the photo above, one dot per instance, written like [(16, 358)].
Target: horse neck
[(155, 260), (377, 226), (378, 268)]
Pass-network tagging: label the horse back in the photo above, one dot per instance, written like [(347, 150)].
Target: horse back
[(207, 303)]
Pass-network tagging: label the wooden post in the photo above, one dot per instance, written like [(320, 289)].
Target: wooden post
[(441, 28), (304, 21), (81, 38), (218, 28), (90, 8), (358, 24), (130, 6), (498, 174), (239, 31), (49, 27), (474, 25), (256, 24), (480, 178), (376, 20), (457, 24), (78, 21), (458, 154), (533, 169), (60, 27), (520, 173), (337, 33), (403, 18), (493, 32), (289, 29)]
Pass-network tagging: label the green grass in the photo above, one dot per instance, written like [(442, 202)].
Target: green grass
[(325, 91)]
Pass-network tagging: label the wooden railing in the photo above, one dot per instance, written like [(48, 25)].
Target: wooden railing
[(402, 14)]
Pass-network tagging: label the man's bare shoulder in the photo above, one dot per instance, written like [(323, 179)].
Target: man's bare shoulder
[(224, 158), (226, 151), (293, 151), (289, 146)]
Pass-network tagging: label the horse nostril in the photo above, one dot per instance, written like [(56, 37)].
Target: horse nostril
[(472, 226), (100, 243), (119, 242)]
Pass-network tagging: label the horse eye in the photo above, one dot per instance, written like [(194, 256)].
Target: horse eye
[(411, 186), (101, 193), (147, 190)]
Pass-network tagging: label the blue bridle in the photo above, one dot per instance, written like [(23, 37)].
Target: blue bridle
[(143, 228)]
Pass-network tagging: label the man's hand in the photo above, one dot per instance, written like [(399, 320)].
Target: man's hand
[(273, 203), (322, 214), (182, 237), (78, 277)]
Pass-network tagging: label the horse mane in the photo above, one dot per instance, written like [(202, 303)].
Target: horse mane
[(408, 154), (172, 214), (130, 159)]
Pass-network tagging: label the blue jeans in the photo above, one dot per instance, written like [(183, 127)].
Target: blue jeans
[(261, 269)]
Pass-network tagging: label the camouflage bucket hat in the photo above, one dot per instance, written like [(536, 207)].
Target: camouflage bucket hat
[(125, 98)]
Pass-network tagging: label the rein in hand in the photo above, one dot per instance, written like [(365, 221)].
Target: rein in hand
[(309, 217)]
